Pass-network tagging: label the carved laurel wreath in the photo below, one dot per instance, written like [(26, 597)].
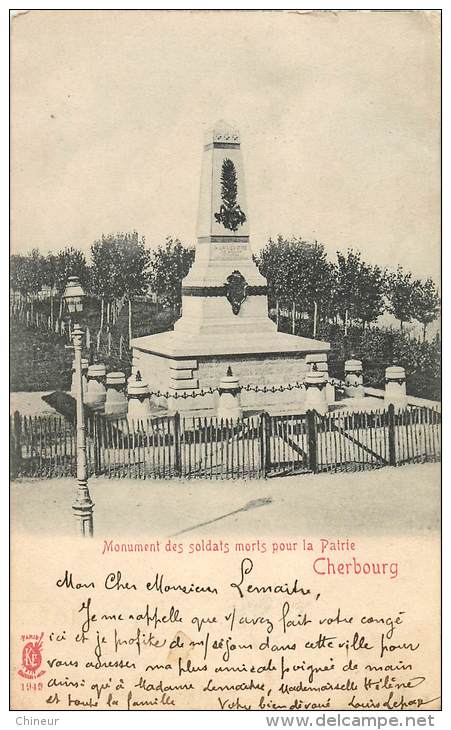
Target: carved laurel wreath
[(230, 214)]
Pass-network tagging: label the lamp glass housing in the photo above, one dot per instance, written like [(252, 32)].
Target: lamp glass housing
[(74, 295)]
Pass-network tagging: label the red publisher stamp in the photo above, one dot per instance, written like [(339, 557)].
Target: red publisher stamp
[(31, 656)]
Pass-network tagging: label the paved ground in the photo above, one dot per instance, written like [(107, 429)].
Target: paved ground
[(30, 404), (403, 501)]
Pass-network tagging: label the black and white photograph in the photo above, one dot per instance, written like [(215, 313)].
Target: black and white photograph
[(225, 348)]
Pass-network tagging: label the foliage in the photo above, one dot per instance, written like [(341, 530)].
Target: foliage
[(41, 361), (132, 265), (119, 266), (298, 271), (379, 347), (316, 275), (347, 288), (27, 272), (400, 294), (272, 263), (369, 298), (104, 259), (70, 262), (169, 264), (359, 293), (426, 303), (50, 270)]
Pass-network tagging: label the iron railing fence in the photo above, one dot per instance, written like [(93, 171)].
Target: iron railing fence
[(259, 445)]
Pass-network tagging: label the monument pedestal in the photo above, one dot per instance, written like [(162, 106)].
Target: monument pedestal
[(187, 365), (224, 306)]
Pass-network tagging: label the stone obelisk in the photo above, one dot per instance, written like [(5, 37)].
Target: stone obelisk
[(224, 294), (224, 303)]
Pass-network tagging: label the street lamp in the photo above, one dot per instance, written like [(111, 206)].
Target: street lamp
[(82, 505)]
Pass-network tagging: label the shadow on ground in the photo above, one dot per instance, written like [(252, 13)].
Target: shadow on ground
[(389, 501)]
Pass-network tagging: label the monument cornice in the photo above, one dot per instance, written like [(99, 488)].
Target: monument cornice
[(221, 291), (222, 146)]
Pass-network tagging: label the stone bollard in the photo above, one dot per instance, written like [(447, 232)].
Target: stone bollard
[(315, 385), (96, 392), (138, 397), (84, 370), (354, 379), (323, 367), (229, 404), (395, 386), (116, 401)]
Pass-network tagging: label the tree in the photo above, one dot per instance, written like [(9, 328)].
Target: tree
[(400, 295), (50, 273), (169, 264), (17, 275), (426, 303), (360, 289), (132, 275), (272, 261), (348, 275), (369, 297), (26, 275), (104, 271), (280, 263), (298, 270), (316, 282)]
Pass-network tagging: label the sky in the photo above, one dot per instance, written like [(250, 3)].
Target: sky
[(339, 114)]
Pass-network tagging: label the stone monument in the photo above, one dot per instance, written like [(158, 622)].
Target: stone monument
[(224, 303)]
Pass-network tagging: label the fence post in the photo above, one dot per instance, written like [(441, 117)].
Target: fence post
[(312, 438), (17, 450), (96, 443), (265, 443), (391, 435), (177, 450)]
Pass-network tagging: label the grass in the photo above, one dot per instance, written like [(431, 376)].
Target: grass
[(40, 361)]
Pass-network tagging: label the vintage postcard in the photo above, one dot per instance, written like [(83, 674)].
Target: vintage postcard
[(225, 418)]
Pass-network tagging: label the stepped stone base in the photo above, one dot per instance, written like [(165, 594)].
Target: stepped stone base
[(177, 364)]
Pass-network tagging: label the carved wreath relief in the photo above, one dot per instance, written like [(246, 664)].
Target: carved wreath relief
[(236, 290), (230, 214)]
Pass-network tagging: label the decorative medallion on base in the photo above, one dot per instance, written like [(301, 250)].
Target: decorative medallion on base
[(236, 290)]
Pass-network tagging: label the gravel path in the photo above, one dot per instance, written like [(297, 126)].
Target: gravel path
[(402, 501)]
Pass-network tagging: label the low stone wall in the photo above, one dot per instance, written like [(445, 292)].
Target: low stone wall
[(191, 375)]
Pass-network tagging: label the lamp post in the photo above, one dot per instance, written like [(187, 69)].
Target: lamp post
[(82, 505)]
